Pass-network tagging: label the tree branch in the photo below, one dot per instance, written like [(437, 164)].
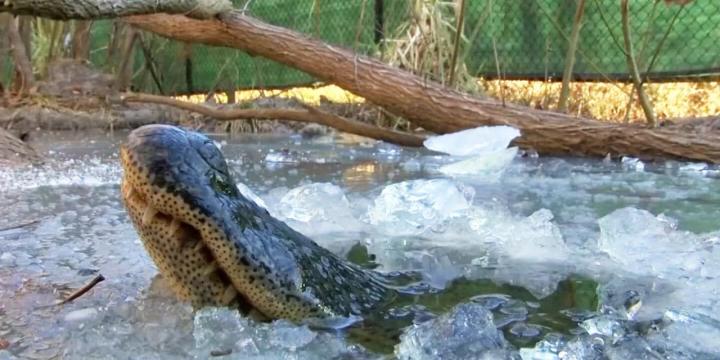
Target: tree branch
[(307, 115), (102, 9), (633, 67), (570, 56), (20, 57)]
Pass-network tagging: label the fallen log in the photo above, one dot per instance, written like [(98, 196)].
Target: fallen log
[(425, 103), (14, 151), (308, 114), (428, 104)]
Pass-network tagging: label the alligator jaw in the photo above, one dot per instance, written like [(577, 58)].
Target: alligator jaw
[(178, 249)]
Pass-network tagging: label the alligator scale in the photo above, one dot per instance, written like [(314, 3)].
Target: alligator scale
[(217, 248)]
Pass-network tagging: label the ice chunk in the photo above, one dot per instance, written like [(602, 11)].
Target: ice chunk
[(466, 332), (605, 325), (412, 165), (473, 141), (694, 169), (318, 208), (634, 347), (546, 349), (535, 238), (632, 163), (308, 203), (644, 244), (487, 167), (81, 315), (283, 156), (583, 348), (216, 328), (538, 238), (439, 271), (7, 259), (154, 327), (225, 331), (412, 207), (695, 335), (555, 347), (288, 336)]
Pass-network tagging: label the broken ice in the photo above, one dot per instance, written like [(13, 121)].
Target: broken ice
[(484, 151), (225, 331), (488, 166), (534, 229), (467, 332), (317, 208), (475, 141), (647, 244), (412, 207)]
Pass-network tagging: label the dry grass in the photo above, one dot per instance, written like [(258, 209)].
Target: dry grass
[(309, 95), (604, 101), (609, 101), (425, 43)]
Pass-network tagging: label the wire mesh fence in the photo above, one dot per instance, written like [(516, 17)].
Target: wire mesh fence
[(507, 39)]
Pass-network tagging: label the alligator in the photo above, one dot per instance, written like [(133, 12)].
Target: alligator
[(218, 248)]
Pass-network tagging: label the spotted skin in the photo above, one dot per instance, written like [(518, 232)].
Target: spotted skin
[(218, 248)]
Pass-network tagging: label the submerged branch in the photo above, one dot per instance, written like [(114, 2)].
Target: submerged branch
[(19, 226), (308, 115), (81, 291)]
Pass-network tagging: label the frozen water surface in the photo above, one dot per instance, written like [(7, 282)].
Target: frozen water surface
[(556, 259)]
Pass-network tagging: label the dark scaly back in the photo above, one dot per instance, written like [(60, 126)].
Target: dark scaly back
[(281, 273)]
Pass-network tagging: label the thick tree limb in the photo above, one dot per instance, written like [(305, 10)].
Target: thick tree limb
[(309, 115), (100, 9), (426, 103)]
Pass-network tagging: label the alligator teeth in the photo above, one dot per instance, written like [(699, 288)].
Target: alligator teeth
[(229, 295), (148, 215), (198, 246), (209, 269), (174, 226), (129, 191)]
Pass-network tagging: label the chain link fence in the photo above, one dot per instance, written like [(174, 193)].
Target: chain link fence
[(507, 39)]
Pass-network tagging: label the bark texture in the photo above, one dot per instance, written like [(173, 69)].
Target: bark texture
[(81, 40), (14, 151), (308, 114), (429, 104), (23, 69), (101, 9)]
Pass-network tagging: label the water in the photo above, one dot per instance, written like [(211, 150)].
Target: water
[(567, 258)]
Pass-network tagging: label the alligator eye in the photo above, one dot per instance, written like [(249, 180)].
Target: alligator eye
[(223, 186)]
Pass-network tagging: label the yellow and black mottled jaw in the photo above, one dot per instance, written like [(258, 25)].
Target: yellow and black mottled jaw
[(161, 168)]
